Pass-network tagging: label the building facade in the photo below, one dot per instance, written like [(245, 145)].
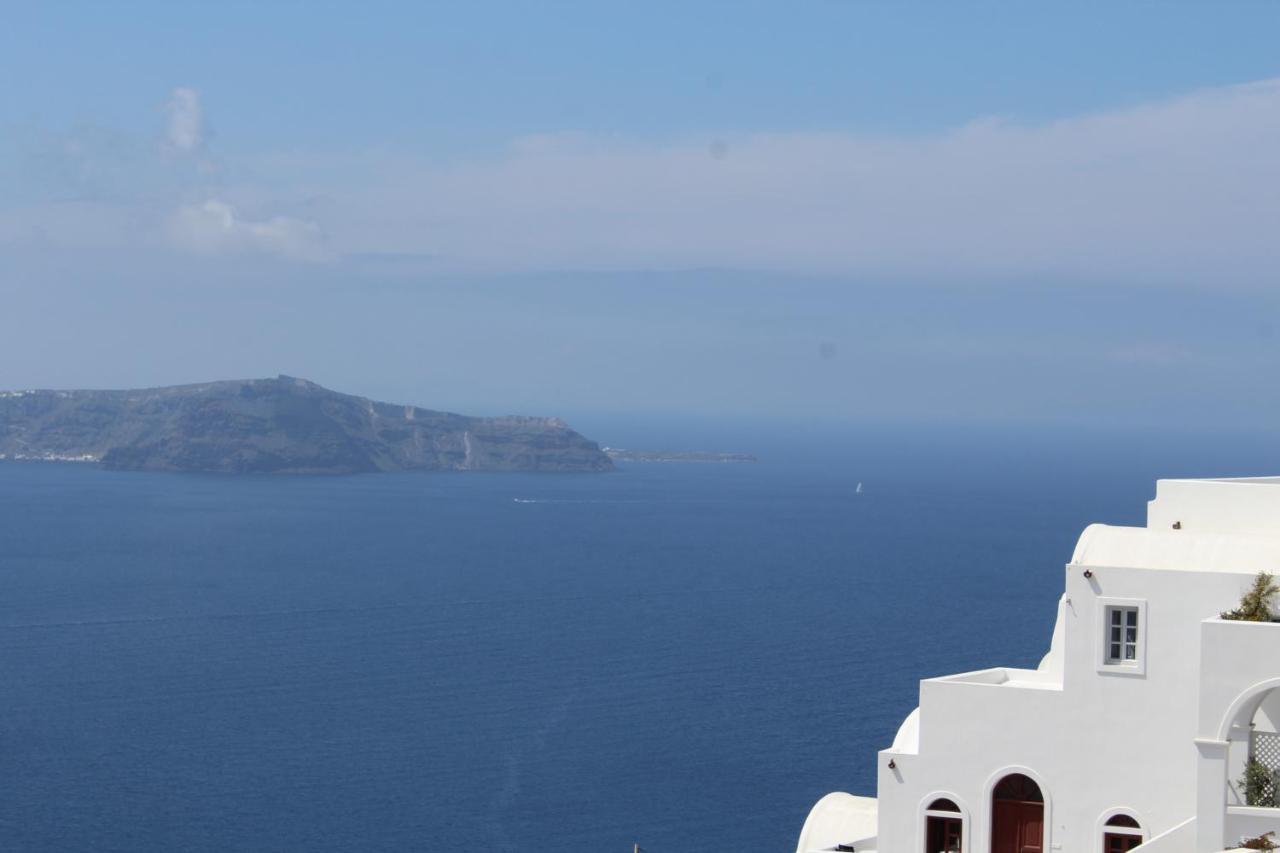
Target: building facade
[(1136, 728)]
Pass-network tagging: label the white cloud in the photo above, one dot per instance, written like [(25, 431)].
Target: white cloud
[(186, 130), (1177, 191), (1181, 190), (214, 227)]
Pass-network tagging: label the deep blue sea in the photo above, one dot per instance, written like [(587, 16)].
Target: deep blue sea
[(683, 656)]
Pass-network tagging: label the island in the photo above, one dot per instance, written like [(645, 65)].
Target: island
[(283, 425), (621, 455)]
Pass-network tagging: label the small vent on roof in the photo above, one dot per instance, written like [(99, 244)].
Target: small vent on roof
[(1177, 525)]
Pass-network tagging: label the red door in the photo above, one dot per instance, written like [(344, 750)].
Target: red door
[(1017, 827)]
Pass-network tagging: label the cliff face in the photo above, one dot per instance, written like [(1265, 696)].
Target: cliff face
[(281, 425)]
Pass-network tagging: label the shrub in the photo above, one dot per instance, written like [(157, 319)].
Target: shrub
[(1255, 606), (1258, 786)]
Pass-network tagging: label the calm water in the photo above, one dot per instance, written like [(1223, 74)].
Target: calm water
[(681, 656)]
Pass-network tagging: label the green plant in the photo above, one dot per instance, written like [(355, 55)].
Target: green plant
[(1255, 606), (1258, 786)]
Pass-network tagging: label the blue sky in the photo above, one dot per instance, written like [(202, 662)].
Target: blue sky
[(434, 76), (701, 208)]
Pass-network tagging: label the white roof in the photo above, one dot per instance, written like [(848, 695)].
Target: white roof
[(1104, 546), (840, 818)]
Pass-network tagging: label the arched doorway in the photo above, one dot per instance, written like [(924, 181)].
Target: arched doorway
[(1017, 816), (1253, 759)]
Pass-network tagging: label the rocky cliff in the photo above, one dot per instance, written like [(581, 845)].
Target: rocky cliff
[(281, 425)]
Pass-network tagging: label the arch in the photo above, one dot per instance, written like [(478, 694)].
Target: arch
[(1122, 820), (1119, 822), (1023, 812), (1237, 706), (935, 805), (1018, 786), (1021, 770)]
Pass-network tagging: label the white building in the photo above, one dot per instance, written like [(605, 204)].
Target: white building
[(1135, 728)]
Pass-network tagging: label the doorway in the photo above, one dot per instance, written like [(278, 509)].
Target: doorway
[(1017, 816)]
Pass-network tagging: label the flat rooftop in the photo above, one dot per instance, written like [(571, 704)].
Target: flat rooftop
[(1217, 505)]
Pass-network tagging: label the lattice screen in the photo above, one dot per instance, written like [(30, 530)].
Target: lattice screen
[(1264, 747)]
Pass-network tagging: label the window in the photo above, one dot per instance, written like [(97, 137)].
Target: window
[(1117, 842), (1122, 635), (944, 834), (944, 827), (1121, 834)]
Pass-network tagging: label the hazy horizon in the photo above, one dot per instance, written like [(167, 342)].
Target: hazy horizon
[(840, 213)]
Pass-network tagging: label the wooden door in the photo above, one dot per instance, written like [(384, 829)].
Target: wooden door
[(1017, 827)]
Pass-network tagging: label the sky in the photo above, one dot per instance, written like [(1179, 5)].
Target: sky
[(1007, 212)]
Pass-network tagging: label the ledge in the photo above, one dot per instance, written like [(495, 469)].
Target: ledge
[(1000, 676), (1255, 811)]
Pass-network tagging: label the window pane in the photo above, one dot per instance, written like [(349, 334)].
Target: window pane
[(1122, 634)]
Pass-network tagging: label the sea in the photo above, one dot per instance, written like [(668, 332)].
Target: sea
[(680, 656)]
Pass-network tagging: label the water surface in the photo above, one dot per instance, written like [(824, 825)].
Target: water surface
[(684, 656)]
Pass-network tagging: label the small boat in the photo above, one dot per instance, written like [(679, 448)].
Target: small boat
[(858, 490)]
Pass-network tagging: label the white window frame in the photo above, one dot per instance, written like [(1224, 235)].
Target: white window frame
[(1102, 635), (1101, 831), (1123, 627)]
